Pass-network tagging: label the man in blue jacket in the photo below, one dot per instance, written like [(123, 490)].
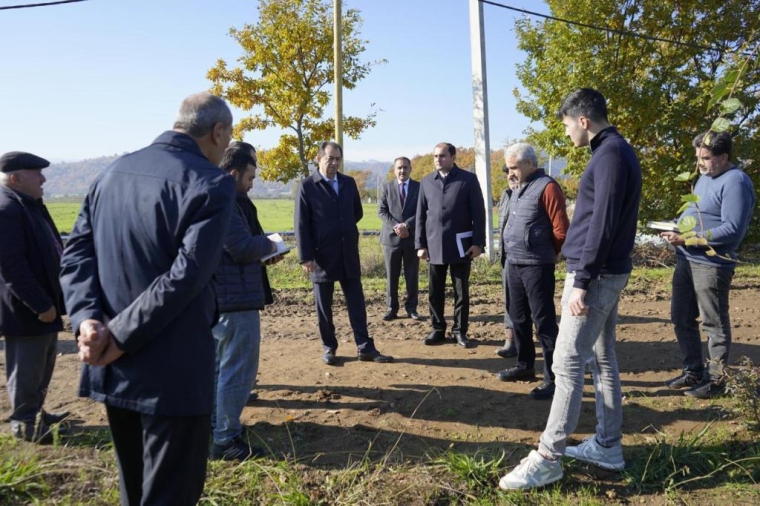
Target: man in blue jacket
[(598, 251), (451, 224), (137, 278), (328, 208), (702, 281), (241, 293), (30, 294)]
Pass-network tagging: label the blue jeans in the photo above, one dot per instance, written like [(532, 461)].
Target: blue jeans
[(702, 290), (237, 336), (587, 339)]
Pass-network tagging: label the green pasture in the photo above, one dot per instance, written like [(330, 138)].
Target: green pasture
[(276, 215)]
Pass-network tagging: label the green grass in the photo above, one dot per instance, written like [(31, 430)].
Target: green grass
[(276, 215), (64, 214)]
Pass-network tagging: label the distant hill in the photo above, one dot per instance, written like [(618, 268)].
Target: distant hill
[(72, 179)]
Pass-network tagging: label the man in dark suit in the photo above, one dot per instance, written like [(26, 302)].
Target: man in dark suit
[(137, 278), (30, 294), (328, 208), (451, 224), (397, 209), (509, 349)]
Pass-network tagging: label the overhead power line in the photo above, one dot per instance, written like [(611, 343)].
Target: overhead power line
[(46, 4), (602, 28)]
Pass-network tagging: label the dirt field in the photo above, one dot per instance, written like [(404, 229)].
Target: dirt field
[(431, 398)]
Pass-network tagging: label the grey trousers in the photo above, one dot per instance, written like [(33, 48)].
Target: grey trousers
[(702, 291), (29, 364), (587, 339)]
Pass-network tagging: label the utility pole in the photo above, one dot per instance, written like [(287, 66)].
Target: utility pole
[(480, 115), (338, 60)]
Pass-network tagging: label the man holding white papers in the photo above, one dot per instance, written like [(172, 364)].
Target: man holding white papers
[(451, 221), (242, 290), (703, 273)]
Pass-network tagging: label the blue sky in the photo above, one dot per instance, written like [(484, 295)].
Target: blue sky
[(106, 76)]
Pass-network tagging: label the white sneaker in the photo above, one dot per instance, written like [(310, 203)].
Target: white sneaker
[(533, 471), (592, 452)]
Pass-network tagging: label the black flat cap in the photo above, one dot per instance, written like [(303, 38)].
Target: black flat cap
[(17, 160)]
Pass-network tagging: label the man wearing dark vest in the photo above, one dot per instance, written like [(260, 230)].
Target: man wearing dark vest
[(532, 239), (397, 209)]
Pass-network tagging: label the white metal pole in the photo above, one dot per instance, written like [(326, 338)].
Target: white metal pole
[(480, 115)]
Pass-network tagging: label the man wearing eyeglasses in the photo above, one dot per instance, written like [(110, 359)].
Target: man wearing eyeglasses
[(703, 273), (328, 208)]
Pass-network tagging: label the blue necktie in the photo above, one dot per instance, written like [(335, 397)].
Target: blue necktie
[(334, 183)]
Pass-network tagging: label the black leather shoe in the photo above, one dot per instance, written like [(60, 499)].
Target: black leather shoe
[(508, 350), (706, 389), (544, 391), (685, 380), (414, 315), (329, 357), (374, 356), (390, 315), (435, 337), (463, 341), (519, 372), (52, 418), (34, 432)]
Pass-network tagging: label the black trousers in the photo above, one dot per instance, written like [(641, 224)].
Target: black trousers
[(357, 313), (162, 459), (531, 300), (460, 281), (394, 255)]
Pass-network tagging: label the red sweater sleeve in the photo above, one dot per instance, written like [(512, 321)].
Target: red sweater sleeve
[(554, 203)]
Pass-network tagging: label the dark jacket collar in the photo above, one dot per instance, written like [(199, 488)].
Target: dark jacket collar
[(317, 176), (453, 172), (603, 134), (179, 140), (22, 198)]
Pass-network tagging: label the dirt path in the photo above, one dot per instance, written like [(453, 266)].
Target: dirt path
[(431, 397)]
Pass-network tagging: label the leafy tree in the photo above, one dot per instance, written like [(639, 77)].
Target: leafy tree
[(658, 92), (284, 77), (362, 177)]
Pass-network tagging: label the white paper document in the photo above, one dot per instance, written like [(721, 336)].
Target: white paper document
[(282, 248), (665, 226), (462, 243)]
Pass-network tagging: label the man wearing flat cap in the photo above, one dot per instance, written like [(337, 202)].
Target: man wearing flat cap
[(30, 294)]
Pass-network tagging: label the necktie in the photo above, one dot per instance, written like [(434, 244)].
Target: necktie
[(403, 194), (334, 183)]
